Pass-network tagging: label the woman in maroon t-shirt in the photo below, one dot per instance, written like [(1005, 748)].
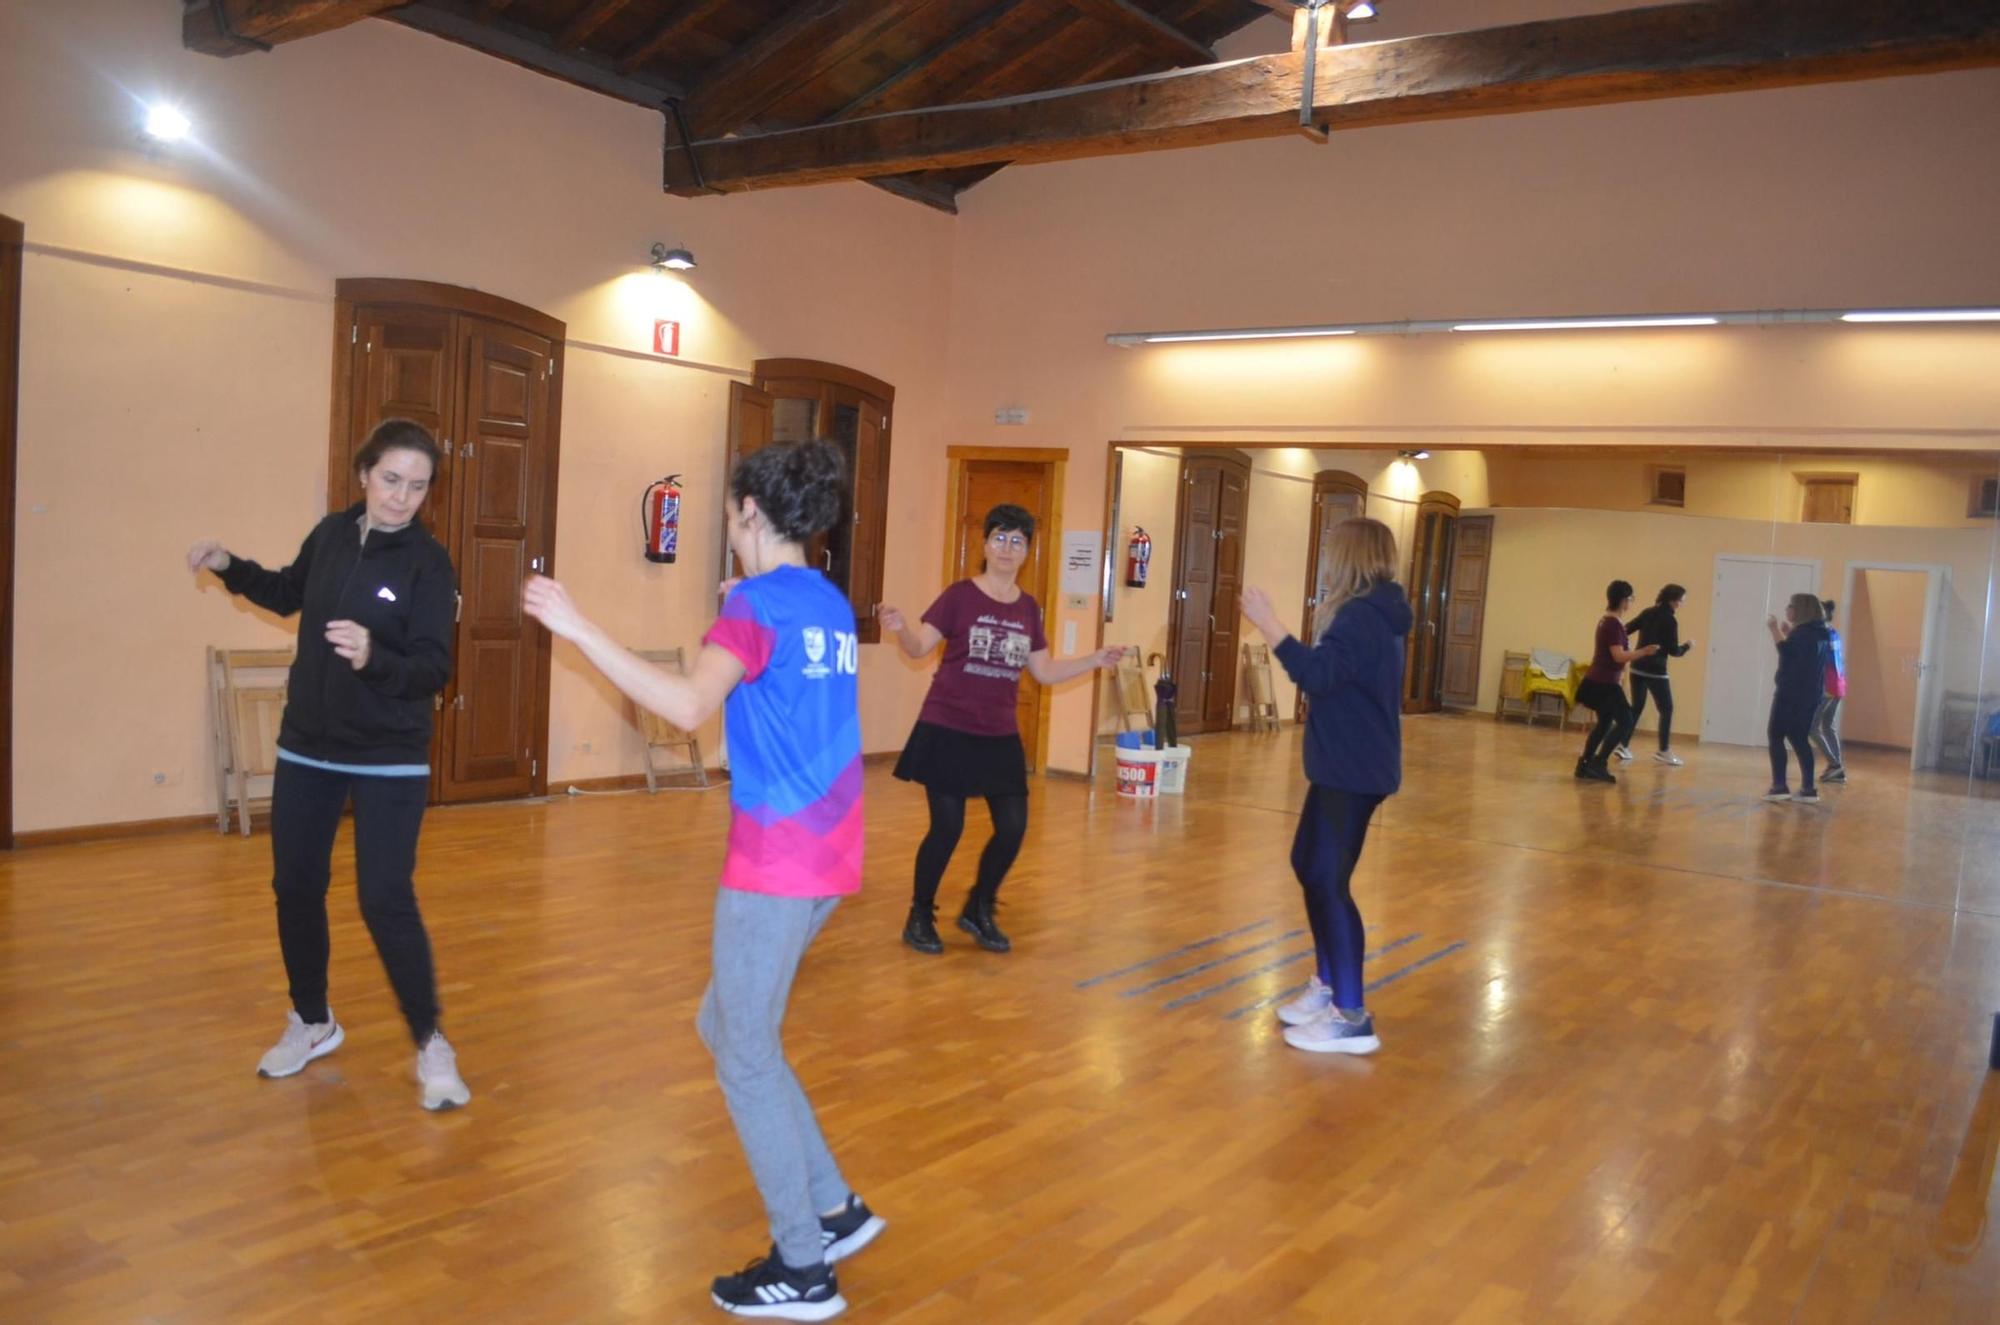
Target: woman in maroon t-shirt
[(967, 741), (1603, 687)]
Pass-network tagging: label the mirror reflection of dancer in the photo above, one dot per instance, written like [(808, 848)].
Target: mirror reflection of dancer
[(376, 598), (1603, 690), (1804, 648), (967, 741), (1826, 723), (783, 656), (1353, 678), (1658, 624)]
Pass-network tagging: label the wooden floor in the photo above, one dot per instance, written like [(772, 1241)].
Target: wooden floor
[(1652, 1053)]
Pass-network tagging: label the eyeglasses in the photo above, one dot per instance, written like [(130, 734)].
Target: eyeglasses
[(1015, 541)]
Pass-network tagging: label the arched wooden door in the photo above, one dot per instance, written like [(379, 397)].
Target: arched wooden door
[(484, 374), (1338, 496), (1428, 584)]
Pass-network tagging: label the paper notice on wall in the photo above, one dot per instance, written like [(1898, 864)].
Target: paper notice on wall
[(1081, 553)]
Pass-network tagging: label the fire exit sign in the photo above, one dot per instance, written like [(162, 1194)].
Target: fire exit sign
[(667, 338)]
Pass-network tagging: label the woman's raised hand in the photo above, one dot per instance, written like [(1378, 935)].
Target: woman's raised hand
[(208, 555), (1108, 658), (549, 603), (1257, 608), (890, 617)]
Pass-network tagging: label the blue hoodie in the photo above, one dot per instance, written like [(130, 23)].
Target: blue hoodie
[(1354, 680)]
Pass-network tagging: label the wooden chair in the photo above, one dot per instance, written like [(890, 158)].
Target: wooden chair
[(248, 707), (1135, 703), (1512, 703), (1263, 692), (659, 734)]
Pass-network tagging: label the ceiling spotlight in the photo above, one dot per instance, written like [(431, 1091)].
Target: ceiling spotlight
[(1414, 455), (1362, 13), (672, 259), (166, 124)]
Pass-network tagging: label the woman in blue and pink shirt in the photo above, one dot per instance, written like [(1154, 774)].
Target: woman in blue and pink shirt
[(783, 657)]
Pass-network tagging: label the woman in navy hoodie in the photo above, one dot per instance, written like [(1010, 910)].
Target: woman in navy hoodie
[(1354, 761)]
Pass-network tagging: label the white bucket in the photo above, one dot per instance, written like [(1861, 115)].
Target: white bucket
[(1173, 769), (1138, 773)]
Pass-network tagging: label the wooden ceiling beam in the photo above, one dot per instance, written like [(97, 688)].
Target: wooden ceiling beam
[(469, 23), (879, 97), (586, 22), (1170, 40), (678, 20), (1668, 50), (809, 40), (235, 27)]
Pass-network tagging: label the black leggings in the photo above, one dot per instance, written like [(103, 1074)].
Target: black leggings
[(388, 813), (1791, 723), (1663, 696), (1010, 825), (1614, 725)]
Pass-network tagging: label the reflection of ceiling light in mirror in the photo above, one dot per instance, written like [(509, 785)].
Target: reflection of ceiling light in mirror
[(166, 124), (1926, 315), (672, 259), (1362, 13), (1587, 323), (1414, 455)]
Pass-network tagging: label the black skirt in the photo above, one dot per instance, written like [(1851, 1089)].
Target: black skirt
[(960, 764), (1599, 696)]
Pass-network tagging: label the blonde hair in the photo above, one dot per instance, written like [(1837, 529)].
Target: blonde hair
[(1805, 607), (1362, 555)]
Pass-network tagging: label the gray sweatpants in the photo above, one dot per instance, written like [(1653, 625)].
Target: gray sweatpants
[(1826, 729), (759, 942)]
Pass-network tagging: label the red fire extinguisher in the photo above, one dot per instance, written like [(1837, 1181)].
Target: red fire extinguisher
[(1138, 556), (660, 517)]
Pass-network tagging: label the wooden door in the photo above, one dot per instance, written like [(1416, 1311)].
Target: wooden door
[(1338, 496), (1430, 559), (1465, 610), (502, 669), (982, 485), (12, 237), (752, 422), (1208, 581), (484, 375), (1224, 608)]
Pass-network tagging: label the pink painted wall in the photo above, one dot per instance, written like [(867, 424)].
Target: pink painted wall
[(1874, 193), (158, 407)]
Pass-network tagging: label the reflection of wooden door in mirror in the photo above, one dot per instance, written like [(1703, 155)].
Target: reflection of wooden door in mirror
[(1338, 496), (12, 237), (982, 485), (1465, 610), (1430, 559), (1208, 579)]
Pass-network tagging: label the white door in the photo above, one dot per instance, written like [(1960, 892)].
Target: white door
[(1930, 673), (1742, 664)]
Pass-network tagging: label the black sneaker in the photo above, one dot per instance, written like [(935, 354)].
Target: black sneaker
[(1583, 772), (1596, 772), (977, 920), (849, 1231), (770, 1288), (920, 930)]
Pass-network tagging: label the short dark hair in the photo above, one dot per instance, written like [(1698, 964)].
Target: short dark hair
[(1671, 593), (1826, 605), (396, 435), (1617, 592), (1013, 519), (801, 487)]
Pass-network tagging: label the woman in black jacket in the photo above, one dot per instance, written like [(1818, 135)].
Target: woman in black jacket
[(1803, 649), (1659, 625), (376, 598)]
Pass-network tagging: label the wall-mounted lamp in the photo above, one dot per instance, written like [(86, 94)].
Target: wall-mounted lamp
[(672, 259), (1414, 455), (1362, 13), (166, 124)]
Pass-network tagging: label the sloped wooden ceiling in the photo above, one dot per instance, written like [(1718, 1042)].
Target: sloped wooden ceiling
[(926, 98)]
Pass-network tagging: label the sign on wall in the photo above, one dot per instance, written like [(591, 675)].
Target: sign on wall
[(667, 338)]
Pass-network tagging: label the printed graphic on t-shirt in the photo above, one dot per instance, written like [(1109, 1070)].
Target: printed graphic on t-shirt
[(991, 641), (847, 655)]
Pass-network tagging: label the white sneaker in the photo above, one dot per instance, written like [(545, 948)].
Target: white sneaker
[(299, 1045), (1331, 1033), (1307, 1006), (1625, 753), (437, 1071), (1668, 757)]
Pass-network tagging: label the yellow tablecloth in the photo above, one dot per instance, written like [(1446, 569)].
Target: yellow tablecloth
[(1535, 682)]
